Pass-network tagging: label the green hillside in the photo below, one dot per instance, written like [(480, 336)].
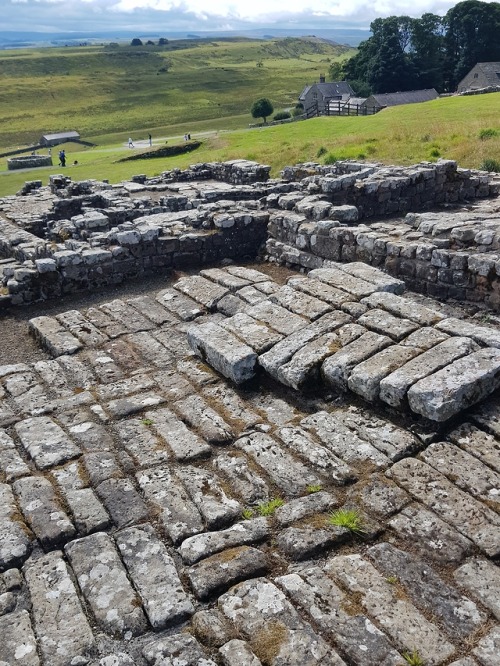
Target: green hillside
[(103, 90)]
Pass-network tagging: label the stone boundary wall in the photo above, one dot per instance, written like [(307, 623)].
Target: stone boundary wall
[(481, 91), (29, 162)]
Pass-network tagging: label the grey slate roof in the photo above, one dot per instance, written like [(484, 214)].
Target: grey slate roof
[(61, 135), (491, 71), (408, 97), (328, 90)]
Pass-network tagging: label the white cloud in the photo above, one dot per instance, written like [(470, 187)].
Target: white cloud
[(155, 15)]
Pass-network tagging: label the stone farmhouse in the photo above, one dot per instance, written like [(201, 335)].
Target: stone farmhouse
[(482, 75), (397, 98), (317, 97)]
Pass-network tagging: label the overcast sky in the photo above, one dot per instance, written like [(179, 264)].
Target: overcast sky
[(192, 15)]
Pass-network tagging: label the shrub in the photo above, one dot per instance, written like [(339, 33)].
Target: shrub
[(297, 111), (435, 152), (488, 133), (282, 115), (490, 165), (321, 151)]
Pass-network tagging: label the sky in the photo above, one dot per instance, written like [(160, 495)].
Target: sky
[(200, 15)]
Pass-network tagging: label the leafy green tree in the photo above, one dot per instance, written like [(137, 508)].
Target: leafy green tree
[(162, 41), (262, 108), (336, 71), (427, 51), (136, 42), (472, 36)]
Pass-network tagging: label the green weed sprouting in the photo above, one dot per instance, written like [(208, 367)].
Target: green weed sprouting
[(413, 658), (268, 508), (314, 488), (147, 422), (488, 133), (247, 514), (490, 165), (350, 519)]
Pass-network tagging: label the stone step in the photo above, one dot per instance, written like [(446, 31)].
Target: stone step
[(223, 351)]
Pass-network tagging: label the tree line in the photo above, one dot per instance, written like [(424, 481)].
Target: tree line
[(433, 51)]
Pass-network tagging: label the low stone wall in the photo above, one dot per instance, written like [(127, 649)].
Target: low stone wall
[(29, 162)]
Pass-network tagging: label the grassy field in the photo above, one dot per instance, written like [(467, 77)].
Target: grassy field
[(109, 94), (120, 90)]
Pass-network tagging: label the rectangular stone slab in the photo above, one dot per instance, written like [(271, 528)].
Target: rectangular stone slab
[(394, 387), (481, 579), (154, 575), (457, 386), (290, 475), (406, 626), (342, 280), (60, 623), (201, 290), (478, 443), (300, 303), (283, 351), (126, 315), (403, 307), (366, 272), (386, 324), (255, 334), (470, 517), (223, 351), (257, 606), (180, 305), (280, 319), (18, 644), (82, 328), (365, 377), (15, 538), (167, 495), (224, 278), (321, 290), (486, 336), (318, 596), (104, 583), (185, 444), (337, 368), (53, 336)]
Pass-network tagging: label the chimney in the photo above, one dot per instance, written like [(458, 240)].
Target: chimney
[(321, 78)]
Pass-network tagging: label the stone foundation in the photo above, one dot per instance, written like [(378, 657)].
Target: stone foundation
[(29, 162)]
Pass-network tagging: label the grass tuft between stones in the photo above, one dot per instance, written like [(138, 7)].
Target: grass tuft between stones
[(350, 519), (268, 508), (413, 658)]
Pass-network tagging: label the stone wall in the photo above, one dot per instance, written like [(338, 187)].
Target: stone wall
[(29, 162), (80, 236)]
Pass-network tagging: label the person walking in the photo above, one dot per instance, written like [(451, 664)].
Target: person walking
[(62, 158), (130, 143), (150, 140)]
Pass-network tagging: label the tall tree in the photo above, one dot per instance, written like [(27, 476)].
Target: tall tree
[(427, 51), (472, 36)]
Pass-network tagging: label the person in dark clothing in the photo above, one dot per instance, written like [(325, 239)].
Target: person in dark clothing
[(62, 158), (150, 140)]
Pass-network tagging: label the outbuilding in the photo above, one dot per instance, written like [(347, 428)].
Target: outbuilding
[(61, 137)]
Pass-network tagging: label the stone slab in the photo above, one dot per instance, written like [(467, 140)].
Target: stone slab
[(195, 411), (46, 442), (277, 317), (105, 586), (53, 336), (395, 386), (155, 576), (184, 443), (252, 333), (471, 518), (223, 351), (456, 387), (403, 307), (481, 334), (15, 538), (18, 644), (62, 629), (339, 279), (168, 497), (300, 303), (478, 443)]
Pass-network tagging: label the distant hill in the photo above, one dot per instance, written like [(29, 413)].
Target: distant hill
[(16, 39)]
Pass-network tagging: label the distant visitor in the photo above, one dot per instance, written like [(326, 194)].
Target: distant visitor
[(130, 143), (150, 140), (62, 158)]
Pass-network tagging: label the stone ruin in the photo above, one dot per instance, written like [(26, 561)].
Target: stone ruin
[(29, 162), (284, 462)]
